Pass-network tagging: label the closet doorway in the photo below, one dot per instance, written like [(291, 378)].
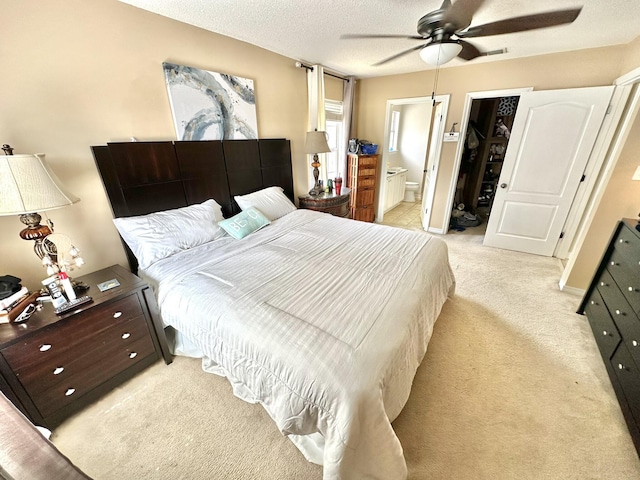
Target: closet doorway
[(544, 166), (488, 130)]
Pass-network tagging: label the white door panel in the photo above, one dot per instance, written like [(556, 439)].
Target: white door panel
[(552, 137)]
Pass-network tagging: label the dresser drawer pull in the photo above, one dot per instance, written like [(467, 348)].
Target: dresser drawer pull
[(602, 284), (605, 333), (622, 240), (117, 315), (634, 343), (45, 347), (631, 289), (58, 370), (593, 302), (133, 355), (618, 312), (69, 392), (126, 335), (613, 264)]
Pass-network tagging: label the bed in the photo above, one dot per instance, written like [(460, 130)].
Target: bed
[(322, 320)]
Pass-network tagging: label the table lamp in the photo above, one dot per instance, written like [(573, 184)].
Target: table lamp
[(28, 186), (315, 143)]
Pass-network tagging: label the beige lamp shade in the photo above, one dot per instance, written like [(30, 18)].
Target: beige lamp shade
[(27, 185), (316, 142)]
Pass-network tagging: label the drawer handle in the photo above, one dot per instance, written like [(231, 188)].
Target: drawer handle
[(613, 264), (618, 312), (634, 343), (126, 335), (593, 302), (58, 370), (69, 392), (605, 333), (622, 240), (602, 284), (133, 355), (45, 347), (631, 289), (117, 315)]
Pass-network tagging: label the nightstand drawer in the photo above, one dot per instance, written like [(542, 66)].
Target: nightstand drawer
[(120, 357), (66, 365), (604, 330), (71, 333)]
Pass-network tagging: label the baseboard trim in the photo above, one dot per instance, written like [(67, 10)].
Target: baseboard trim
[(578, 292)]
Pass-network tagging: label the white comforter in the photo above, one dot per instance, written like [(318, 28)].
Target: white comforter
[(323, 321)]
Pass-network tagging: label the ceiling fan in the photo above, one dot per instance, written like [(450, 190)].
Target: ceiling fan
[(445, 29)]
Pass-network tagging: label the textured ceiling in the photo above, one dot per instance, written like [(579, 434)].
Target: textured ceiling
[(310, 30)]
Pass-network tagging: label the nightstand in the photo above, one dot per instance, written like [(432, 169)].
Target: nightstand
[(54, 365), (337, 205)]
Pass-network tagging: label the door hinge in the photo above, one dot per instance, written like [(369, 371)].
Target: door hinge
[(562, 235), (583, 178), (609, 108)]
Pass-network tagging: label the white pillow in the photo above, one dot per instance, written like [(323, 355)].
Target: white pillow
[(271, 201), (159, 235)]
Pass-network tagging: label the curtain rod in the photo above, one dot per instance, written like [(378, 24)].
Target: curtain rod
[(309, 67)]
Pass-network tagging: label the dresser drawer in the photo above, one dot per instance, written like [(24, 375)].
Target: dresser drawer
[(68, 364), (627, 276), (604, 330), (628, 244), (116, 358), (364, 197), (369, 181), (629, 379), (613, 298), (72, 333)]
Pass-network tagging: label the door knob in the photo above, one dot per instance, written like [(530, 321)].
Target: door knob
[(503, 185)]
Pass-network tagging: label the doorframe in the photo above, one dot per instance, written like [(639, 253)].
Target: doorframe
[(618, 134), (444, 99), (464, 124)]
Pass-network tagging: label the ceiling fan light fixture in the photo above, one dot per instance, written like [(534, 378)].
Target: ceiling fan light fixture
[(439, 53)]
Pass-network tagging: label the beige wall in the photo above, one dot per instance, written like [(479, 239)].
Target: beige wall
[(583, 68), (80, 73)]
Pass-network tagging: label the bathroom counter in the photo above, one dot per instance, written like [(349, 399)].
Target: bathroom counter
[(395, 171)]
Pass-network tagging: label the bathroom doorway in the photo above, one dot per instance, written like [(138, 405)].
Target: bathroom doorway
[(414, 128)]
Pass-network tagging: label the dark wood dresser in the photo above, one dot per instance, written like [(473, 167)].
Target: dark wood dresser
[(612, 305), (53, 365), (337, 205)]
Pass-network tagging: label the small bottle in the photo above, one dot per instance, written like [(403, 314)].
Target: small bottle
[(66, 284)]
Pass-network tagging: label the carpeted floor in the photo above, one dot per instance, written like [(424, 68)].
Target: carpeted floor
[(512, 387)]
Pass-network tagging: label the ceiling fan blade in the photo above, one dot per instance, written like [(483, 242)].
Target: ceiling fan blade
[(469, 51), (349, 36), (524, 23), (397, 55), (461, 13)]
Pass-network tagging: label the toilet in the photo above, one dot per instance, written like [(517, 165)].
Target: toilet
[(410, 191)]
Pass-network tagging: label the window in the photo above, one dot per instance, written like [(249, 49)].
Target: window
[(336, 140), (393, 131)]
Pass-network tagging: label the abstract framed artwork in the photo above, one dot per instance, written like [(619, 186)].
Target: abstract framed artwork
[(209, 105)]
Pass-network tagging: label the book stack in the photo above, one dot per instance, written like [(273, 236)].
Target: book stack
[(14, 305)]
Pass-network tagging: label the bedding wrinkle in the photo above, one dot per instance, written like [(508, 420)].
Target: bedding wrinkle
[(324, 326)]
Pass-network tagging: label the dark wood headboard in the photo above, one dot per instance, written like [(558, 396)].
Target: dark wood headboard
[(147, 177)]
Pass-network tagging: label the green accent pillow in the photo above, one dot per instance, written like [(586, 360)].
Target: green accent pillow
[(244, 223)]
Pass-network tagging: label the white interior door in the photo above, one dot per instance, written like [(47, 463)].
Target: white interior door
[(429, 184), (552, 137)]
